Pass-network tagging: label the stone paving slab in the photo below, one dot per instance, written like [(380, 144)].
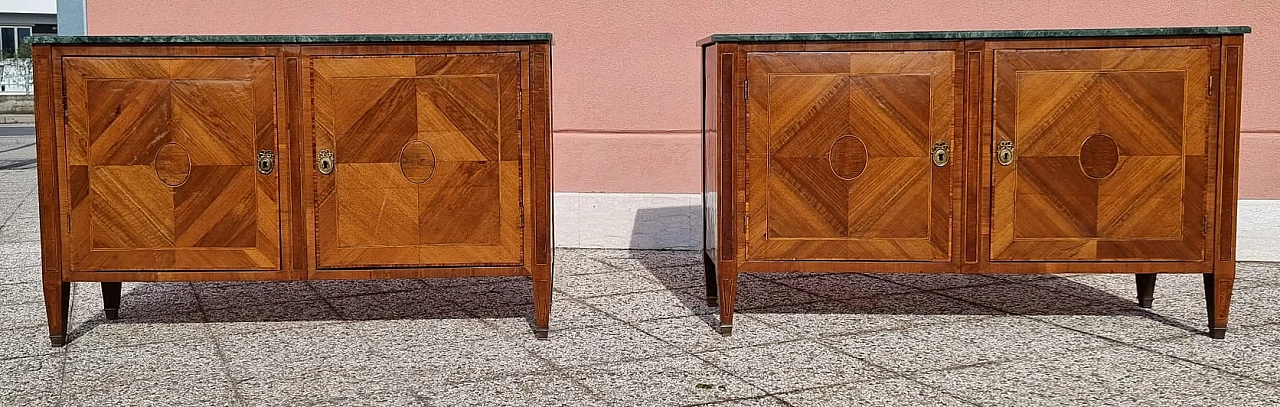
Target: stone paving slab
[(663, 381), (633, 328), (412, 343), (886, 392), (793, 365), (173, 373), (1121, 376), (1255, 353), (695, 334), (31, 380), (830, 318)]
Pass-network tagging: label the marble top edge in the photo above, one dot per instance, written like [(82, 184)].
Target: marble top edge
[(978, 34), (289, 39)]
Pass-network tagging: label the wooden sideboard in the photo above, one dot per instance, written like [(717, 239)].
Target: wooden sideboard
[(226, 158), (1049, 151)]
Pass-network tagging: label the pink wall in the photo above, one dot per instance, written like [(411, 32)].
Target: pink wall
[(627, 74)]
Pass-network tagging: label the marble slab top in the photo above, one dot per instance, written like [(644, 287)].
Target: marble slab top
[(976, 35), (291, 39)]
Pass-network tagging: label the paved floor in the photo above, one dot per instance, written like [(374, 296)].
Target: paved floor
[(17, 149), (631, 328)]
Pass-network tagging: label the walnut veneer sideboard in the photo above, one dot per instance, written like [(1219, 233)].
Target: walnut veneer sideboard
[(1047, 151), (220, 158)]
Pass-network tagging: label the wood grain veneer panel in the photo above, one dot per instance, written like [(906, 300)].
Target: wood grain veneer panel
[(163, 175), (838, 155), (428, 151), (1111, 150)]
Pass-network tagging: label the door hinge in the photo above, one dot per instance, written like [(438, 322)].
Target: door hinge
[(746, 90), (1204, 227), (64, 105), (1210, 85)]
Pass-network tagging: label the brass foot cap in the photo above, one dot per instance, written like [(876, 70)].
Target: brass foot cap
[(1217, 333)]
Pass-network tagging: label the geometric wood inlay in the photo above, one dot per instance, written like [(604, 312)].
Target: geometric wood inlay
[(417, 161), (397, 122), (173, 164), (193, 124), (1112, 154), (1099, 156), (838, 156), (848, 157)]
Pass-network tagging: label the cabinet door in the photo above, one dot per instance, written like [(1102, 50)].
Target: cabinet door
[(839, 149), (427, 160), (161, 163), (1109, 153)]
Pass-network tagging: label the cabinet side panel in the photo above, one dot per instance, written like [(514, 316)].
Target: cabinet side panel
[(726, 125), (540, 141), (540, 178), (710, 142), (1219, 285), (1232, 48), (47, 110)]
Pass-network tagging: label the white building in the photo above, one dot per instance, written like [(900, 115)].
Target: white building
[(20, 19)]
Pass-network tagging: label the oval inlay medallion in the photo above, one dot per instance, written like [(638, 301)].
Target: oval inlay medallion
[(1099, 156), (417, 161), (173, 164), (848, 157)]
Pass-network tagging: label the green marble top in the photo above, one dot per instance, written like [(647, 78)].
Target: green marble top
[(975, 35), (289, 39)]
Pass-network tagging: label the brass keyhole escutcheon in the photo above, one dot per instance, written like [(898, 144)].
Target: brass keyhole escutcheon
[(325, 162), (941, 154), (1004, 153), (266, 162)]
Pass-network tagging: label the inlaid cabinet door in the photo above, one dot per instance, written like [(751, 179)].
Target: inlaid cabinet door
[(1102, 154), (841, 150), (418, 160), (162, 163)]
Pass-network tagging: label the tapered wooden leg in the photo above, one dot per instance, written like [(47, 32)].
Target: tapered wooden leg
[(728, 290), (541, 301), (1146, 289), (1217, 295), (709, 271), (111, 299), (57, 304)]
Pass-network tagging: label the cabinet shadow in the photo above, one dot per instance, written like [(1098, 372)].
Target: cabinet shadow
[(681, 271), (667, 228), (309, 301)]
